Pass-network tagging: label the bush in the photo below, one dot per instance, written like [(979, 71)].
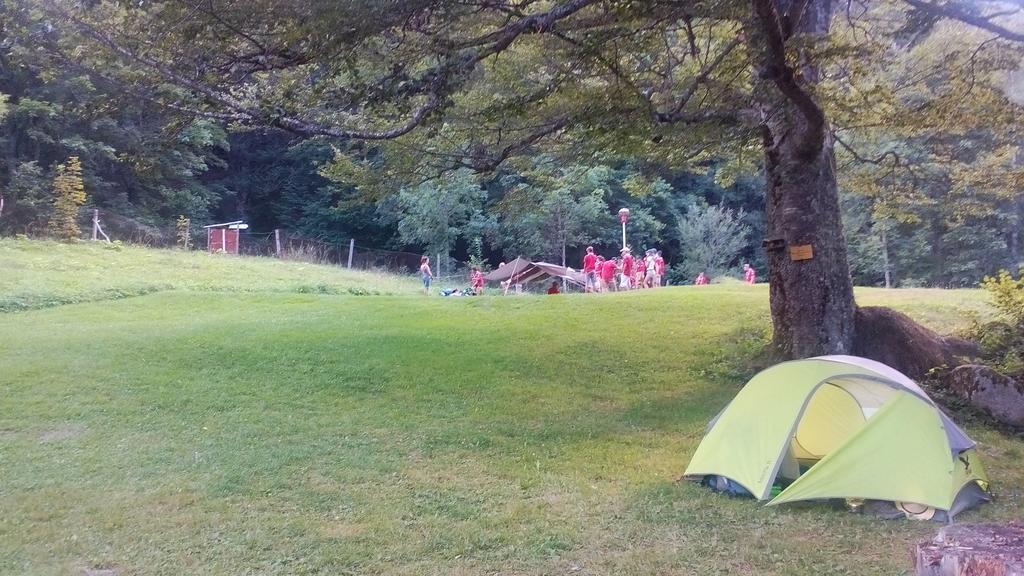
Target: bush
[(1002, 341), (69, 195), (1007, 295)]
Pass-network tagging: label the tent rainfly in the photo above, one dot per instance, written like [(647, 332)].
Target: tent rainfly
[(841, 427), (521, 271)]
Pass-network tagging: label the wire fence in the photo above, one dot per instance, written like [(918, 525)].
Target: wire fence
[(281, 243), (107, 225)]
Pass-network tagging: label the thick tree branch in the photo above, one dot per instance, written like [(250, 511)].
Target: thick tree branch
[(701, 78), (435, 84), (956, 13), (500, 39), (776, 69), (489, 163)]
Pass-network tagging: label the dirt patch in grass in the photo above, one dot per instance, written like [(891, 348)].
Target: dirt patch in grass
[(100, 570), (62, 433), (341, 530)]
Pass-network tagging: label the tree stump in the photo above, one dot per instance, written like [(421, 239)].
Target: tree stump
[(973, 550)]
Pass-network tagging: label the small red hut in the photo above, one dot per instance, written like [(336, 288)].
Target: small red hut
[(224, 237)]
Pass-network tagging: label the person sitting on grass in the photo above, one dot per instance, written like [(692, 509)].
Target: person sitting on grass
[(554, 288), (426, 274), (702, 280)]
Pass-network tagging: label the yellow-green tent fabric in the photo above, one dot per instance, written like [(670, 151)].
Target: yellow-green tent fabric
[(865, 430)]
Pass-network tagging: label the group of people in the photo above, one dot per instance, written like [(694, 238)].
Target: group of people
[(476, 279), (624, 272)]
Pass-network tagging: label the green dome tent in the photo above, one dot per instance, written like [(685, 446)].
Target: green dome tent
[(841, 427)]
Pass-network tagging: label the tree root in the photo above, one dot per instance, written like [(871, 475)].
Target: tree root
[(894, 339)]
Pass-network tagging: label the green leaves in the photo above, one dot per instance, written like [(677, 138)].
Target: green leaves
[(69, 195), (437, 214), (712, 238)]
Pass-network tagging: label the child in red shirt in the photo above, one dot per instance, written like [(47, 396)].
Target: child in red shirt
[(608, 274), (590, 269), (476, 280)]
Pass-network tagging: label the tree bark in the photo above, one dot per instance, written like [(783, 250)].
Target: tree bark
[(972, 550), (885, 258), (812, 303)]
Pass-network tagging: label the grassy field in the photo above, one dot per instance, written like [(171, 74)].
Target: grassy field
[(38, 274), (277, 432)]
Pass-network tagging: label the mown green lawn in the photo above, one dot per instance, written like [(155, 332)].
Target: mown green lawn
[(283, 433)]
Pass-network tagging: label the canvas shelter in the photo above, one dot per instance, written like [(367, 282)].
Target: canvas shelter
[(841, 427), (522, 271)]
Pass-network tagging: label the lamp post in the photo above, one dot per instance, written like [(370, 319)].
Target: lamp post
[(623, 217)]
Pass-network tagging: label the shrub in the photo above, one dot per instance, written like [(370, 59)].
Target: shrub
[(1002, 341), (69, 195), (1007, 295)]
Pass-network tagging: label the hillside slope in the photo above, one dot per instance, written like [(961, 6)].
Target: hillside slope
[(37, 274)]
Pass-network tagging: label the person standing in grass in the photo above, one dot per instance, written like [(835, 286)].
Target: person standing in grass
[(659, 268), (749, 276), (590, 269), (627, 270), (426, 274), (476, 280), (651, 277), (608, 275), (639, 271)]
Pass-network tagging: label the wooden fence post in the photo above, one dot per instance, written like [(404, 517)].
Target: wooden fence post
[(95, 223), (351, 251), (277, 242)]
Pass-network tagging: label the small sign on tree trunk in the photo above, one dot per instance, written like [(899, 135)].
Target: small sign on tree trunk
[(801, 252)]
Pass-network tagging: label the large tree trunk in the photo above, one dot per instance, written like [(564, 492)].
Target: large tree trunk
[(811, 292), (811, 300)]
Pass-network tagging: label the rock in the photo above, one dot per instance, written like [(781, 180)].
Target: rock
[(1001, 397), (973, 550), (894, 339)]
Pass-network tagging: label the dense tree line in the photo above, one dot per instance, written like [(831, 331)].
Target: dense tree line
[(940, 206)]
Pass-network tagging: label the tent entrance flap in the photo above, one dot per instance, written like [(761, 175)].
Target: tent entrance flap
[(900, 457), (832, 416)]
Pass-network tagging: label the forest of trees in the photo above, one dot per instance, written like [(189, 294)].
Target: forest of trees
[(930, 187)]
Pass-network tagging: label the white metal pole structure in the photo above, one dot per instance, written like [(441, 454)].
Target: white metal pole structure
[(623, 217)]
